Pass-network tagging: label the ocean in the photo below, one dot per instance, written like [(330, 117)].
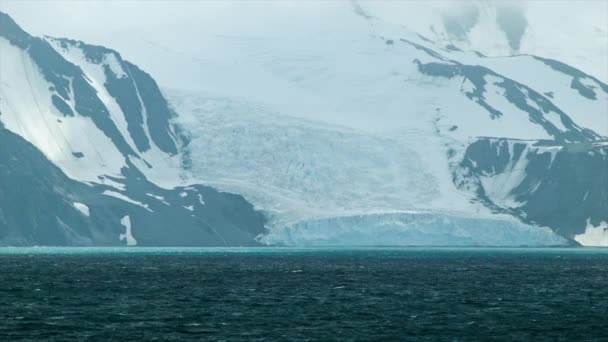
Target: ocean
[(312, 294)]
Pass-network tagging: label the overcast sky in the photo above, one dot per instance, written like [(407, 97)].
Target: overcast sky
[(88, 18), (573, 31)]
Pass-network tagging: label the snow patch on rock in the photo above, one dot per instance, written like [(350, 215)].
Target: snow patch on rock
[(594, 236), (125, 198), (83, 208), (128, 234)]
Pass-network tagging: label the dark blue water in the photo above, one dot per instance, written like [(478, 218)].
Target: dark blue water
[(278, 294)]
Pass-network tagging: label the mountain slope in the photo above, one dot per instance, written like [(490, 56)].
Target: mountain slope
[(56, 89), (563, 186), (84, 134)]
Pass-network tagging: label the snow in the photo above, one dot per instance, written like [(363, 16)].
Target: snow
[(594, 236), (556, 120), (340, 125), (467, 86), (557, 35), (342, 75), (498, 187), (165, 170), (353, 129), (96, 77), (111, 61), (126, 199), (515, 123), (113, 182), (339, 69), (27, 110), (128, 234), (160, 198), (537, 75), (377, 89), (83, 208)]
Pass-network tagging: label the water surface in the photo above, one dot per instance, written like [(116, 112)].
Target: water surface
[(303, 294)]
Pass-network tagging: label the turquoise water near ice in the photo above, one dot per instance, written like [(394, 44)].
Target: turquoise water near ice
[(319, 294), (378, 251)]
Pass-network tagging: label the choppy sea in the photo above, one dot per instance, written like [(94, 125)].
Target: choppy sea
[(288, 294)]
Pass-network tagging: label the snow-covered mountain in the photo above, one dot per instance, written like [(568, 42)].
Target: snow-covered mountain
[(574, 32), (358, 133), (88, 154), (346, 133)]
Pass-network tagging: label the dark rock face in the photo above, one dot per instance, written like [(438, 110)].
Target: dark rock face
[(62, 74), (58, 72), (562, 183), (134, 93), (157, 108), (573, 191), (37, 207), (577, 77), (563, 186)]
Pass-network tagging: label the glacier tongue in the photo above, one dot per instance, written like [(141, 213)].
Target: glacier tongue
[(324, 185), (370, 120), (296, 169), (413, 229)]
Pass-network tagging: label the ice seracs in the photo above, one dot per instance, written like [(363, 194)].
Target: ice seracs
[(414, 229)]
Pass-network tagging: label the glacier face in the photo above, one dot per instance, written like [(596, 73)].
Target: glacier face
[(414, 229)]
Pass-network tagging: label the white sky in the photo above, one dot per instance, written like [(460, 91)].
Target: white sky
[(575, 32)]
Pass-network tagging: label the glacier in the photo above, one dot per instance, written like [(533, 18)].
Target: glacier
[(369, 118), (414, 229), (323, 185)]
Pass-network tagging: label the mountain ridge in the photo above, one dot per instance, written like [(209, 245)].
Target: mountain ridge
[(61, 121)]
